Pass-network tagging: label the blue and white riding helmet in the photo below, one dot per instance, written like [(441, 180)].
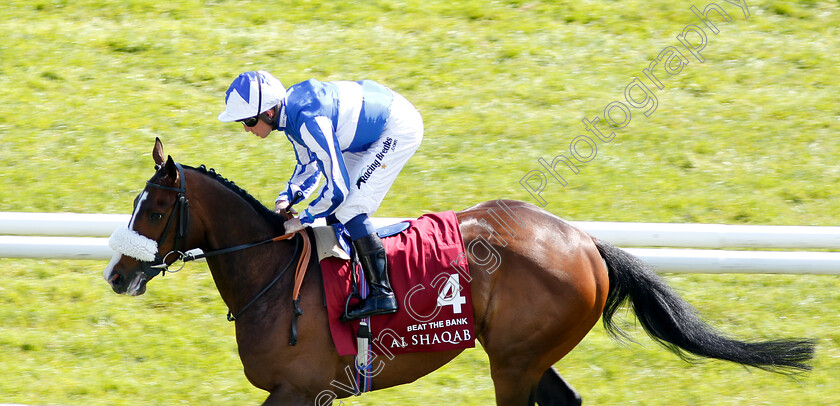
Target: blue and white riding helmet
[(245, 93)]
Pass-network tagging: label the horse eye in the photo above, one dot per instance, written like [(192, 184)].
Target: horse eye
[(155, 216)]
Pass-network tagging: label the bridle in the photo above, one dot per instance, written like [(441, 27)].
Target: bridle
[(181, 209)]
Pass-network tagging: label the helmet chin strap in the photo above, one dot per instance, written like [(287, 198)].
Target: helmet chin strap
[(272, 122), (266, 119)]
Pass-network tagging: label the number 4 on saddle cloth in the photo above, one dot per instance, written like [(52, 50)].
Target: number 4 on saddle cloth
[(430, 277)]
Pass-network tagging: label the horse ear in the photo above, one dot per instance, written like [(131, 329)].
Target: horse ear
[(171, 169), (157, 152)]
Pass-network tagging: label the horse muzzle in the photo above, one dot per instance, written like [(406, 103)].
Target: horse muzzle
[(128, 243), (137, 286), (132, 284), (130, 280)]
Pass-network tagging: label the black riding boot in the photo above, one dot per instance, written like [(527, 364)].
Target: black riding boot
[(381, 299)]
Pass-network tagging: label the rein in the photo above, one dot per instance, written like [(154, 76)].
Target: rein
[(182, 208), (303, 261)]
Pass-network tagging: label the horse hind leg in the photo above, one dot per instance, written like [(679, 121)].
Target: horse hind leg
[(513, 387), (517, 389), (553, 390)]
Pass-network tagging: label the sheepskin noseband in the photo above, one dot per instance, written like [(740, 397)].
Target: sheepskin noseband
[(130, 243)]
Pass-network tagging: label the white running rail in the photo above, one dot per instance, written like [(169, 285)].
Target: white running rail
[(84, 236)]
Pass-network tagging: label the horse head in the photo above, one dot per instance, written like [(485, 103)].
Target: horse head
[(156, 235)]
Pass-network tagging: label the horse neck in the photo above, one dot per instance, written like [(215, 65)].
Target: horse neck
[(227, 220)]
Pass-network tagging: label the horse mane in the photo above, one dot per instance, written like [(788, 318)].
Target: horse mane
[(269, 215)]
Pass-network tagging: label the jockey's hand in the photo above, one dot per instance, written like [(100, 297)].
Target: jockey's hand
[(283, 208), (294, 225)]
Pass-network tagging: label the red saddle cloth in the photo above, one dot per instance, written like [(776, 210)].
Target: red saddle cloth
[(430, 277)]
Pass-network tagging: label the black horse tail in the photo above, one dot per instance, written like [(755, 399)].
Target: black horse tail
[(675, 324)]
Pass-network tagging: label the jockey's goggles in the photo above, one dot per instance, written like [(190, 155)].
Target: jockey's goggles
[(250, 121)]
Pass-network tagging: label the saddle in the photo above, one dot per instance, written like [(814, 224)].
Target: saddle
[(429, 275), (334, 241)]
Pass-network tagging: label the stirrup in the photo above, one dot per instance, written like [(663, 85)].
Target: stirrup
[(371, 312)]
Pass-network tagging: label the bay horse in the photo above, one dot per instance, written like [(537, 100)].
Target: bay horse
[(537, 290)]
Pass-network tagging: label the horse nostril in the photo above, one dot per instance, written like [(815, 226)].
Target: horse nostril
[(116, 280)]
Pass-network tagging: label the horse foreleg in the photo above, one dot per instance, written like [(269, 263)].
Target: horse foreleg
[(280, 396), (553, 390)]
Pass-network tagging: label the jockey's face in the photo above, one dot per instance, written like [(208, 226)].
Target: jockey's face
[(261, 129)]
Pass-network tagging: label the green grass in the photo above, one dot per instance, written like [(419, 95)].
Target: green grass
[(747, 137)]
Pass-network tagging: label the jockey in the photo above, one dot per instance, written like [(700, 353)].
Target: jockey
[(358, 135)]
